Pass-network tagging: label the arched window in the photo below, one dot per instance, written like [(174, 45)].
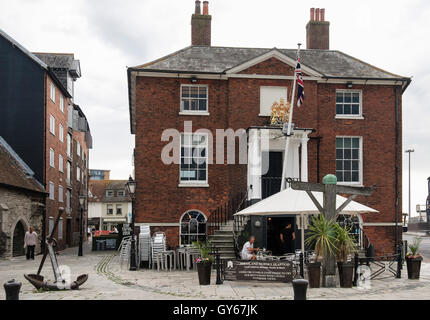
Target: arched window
[(193, 227)]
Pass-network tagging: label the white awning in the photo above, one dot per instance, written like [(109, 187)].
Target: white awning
[(298, 202)]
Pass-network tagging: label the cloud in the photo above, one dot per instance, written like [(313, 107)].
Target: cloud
[(108, 35)]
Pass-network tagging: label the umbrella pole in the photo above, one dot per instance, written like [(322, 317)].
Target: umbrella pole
[(302, 234)]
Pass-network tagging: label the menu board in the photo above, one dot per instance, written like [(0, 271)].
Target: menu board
[(270, 271)]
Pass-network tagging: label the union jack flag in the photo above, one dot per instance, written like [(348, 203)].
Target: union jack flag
[(300, 87)]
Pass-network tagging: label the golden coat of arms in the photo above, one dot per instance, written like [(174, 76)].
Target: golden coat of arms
[(280, 113)]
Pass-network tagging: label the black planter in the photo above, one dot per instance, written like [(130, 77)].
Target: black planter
[(204, 271), (414, 267), (300, 287), (314, 272), (346, 272)]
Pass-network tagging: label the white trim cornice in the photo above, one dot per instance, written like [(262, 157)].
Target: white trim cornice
[(273, 54)]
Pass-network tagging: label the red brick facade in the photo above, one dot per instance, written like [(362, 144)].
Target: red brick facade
[(235, 103)]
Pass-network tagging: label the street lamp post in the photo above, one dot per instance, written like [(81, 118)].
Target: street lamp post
[(131, 187), (409, 151), (81, 203)]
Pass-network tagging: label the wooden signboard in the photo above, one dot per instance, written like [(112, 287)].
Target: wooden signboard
[(269, 271)]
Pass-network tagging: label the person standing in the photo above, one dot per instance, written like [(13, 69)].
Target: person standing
[(287, 238), (30, 240)]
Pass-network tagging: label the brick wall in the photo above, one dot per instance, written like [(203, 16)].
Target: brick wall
[(235, 104), (53, 141)]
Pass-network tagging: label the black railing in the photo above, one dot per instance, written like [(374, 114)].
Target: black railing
[(225, 212), (270, 186)]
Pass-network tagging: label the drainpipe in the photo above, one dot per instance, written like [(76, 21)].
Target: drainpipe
[(396, 235), (318, 139)]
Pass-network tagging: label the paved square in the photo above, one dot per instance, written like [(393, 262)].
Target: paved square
[(107, 281)]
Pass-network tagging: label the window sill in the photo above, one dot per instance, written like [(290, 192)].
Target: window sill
[(264, 115), (195, 113), (193, 185), (350, 184), (340, 117)]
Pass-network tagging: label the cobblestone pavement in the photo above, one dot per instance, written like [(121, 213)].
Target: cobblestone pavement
[(107, 281)]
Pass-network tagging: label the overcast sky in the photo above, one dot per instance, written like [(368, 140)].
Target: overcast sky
[(108, 35)]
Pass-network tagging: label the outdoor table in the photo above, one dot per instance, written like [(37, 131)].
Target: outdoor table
[(181, 253)]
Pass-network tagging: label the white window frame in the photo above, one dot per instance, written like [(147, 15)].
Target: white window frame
[(360, 164), (60, 193), (78, 148), (51, 190), (52, 124), (110, 193), (61, 132), (61, 104), (122, 193), (350, 116), (60, 163), (194, 112), (52, 92), (118, 206), (190, 234), (78, 174), (69, 145), (69, 171), (51, 158), (107, 209), (195, 183)]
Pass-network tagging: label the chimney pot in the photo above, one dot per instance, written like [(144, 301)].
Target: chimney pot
[(205, 8), (322, 14), (198, 9), (312, 14), (317, 14)]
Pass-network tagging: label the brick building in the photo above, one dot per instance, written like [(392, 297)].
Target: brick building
[(40, 120), (349, 125), (22, 202)]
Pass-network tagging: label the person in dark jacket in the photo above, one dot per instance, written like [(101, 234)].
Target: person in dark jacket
[(287, 237)]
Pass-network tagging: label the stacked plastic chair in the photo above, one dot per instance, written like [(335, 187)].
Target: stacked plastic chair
[(124, 252), (145, 244), (158, 247)]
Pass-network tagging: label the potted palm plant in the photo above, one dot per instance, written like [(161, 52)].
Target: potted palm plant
[(345, 246), (320, 237), (413, 259), (204, 262)]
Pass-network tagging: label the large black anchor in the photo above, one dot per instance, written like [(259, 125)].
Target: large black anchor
[(60, 283)]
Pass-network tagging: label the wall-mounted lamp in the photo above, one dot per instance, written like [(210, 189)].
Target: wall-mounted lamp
[(193, 80), (257, 224), (349, 84)]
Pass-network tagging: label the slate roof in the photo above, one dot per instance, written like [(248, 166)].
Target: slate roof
[(60, 61), (15, 172), (204, 59), (98, 190)]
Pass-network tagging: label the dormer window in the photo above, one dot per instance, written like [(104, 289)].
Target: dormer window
[(121, 193), (109, 193)]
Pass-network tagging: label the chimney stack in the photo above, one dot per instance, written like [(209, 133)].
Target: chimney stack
[(318, 30), (201, 25)]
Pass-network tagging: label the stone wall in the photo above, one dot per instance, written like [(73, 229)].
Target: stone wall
[(18, 205)]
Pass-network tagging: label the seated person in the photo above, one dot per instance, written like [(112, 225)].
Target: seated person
[(248, 249)]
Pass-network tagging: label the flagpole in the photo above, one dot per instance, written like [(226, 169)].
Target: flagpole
[(290, 120)]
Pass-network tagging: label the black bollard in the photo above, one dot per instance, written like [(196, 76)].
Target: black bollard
[(218, 268), (11, 289), (300, 287), (302, 271)]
